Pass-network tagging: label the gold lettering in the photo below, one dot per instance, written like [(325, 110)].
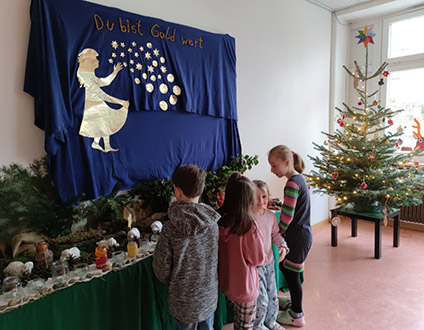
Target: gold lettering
[(184, 41), (123, 28), (110, 28), (98, 20), (133, 29), (139, 28), (154, 32)]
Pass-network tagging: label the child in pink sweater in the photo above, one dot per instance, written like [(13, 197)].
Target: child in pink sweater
[(267, 302), (240, 250)]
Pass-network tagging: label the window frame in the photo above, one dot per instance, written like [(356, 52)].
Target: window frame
[(401, 63)]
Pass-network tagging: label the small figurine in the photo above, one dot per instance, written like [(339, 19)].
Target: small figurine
[(133, 234), (43, 254), (156, 227), (18, 268), (68, 253)]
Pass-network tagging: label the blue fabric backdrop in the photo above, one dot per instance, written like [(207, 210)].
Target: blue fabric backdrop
[(180, 83)]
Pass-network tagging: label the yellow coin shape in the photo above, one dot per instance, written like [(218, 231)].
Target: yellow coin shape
[(163, 105), (173, 99), (176, 90), (170, 77), (150, 87), (163, 88)]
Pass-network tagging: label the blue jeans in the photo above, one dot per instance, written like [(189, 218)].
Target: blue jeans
[(204, 325)]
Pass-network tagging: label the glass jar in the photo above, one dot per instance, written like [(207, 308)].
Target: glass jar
[(35, 286), (118, 258), (11, 290), (60, 272), (132, 249), (80, 270), (144, 245), (101, 257)]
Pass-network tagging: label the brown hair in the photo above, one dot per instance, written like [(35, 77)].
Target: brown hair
[(283, 152), (237, 213), (190, 179)]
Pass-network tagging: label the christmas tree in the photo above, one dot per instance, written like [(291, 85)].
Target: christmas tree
[(358, 163)]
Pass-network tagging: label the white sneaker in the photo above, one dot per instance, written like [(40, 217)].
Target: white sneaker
[(285, 317)]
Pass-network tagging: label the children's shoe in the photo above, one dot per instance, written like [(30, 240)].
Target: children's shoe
[(285, 317), (275, 326), (284, 302)]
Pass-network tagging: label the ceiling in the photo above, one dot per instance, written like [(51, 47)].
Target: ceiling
[(349, 10), (334, 5)]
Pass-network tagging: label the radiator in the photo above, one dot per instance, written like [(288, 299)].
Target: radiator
[(412, 213)]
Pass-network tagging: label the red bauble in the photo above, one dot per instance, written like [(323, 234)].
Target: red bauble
[(364, 185), (390, 122)]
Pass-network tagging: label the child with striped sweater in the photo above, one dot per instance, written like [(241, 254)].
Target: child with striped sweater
[(295, 226)]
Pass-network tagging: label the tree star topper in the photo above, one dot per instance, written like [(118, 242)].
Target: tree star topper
[(366, 36)]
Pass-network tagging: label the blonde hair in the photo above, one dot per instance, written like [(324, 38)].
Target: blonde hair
[(262, 185), (283, 152)]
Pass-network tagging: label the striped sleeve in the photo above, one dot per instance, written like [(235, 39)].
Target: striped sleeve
[(291, 193)]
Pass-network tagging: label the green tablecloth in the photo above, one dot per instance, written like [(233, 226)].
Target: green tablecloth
[(131, 298)]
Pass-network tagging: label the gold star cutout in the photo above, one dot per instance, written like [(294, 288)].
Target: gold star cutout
[(122, 45), (156, 52), (163, 69), (114, 44), (122, 54), (110, 61), (150, 68), (129, 50), (134, 44), (113, 55), (125, 64), (132, 70), (159, 76), (131, 61), (147, 55), (139, 66), (141, 48), (136, 54)]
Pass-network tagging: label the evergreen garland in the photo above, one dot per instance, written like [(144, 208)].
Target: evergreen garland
[(28, 201)]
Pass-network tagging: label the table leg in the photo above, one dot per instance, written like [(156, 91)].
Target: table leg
[(396, 229), (333, 232), (354, 227), (377, 239)]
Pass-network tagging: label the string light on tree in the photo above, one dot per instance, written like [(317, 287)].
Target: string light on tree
[(358, 162)]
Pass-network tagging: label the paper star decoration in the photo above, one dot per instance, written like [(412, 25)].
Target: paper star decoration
[(366, 36)]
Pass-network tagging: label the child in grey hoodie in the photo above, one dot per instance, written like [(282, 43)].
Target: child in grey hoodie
[(186, 255)]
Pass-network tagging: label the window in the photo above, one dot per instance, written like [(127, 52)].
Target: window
[(406, 37), (403, 49)]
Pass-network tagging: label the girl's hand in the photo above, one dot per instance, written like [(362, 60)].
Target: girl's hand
[(283, 252), (126, 104), (117, 67)]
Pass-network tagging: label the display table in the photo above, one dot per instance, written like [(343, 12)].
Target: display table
[(131, 298), (376, 217)]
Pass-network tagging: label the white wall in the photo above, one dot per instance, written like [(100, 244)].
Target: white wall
[(283, 75)]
